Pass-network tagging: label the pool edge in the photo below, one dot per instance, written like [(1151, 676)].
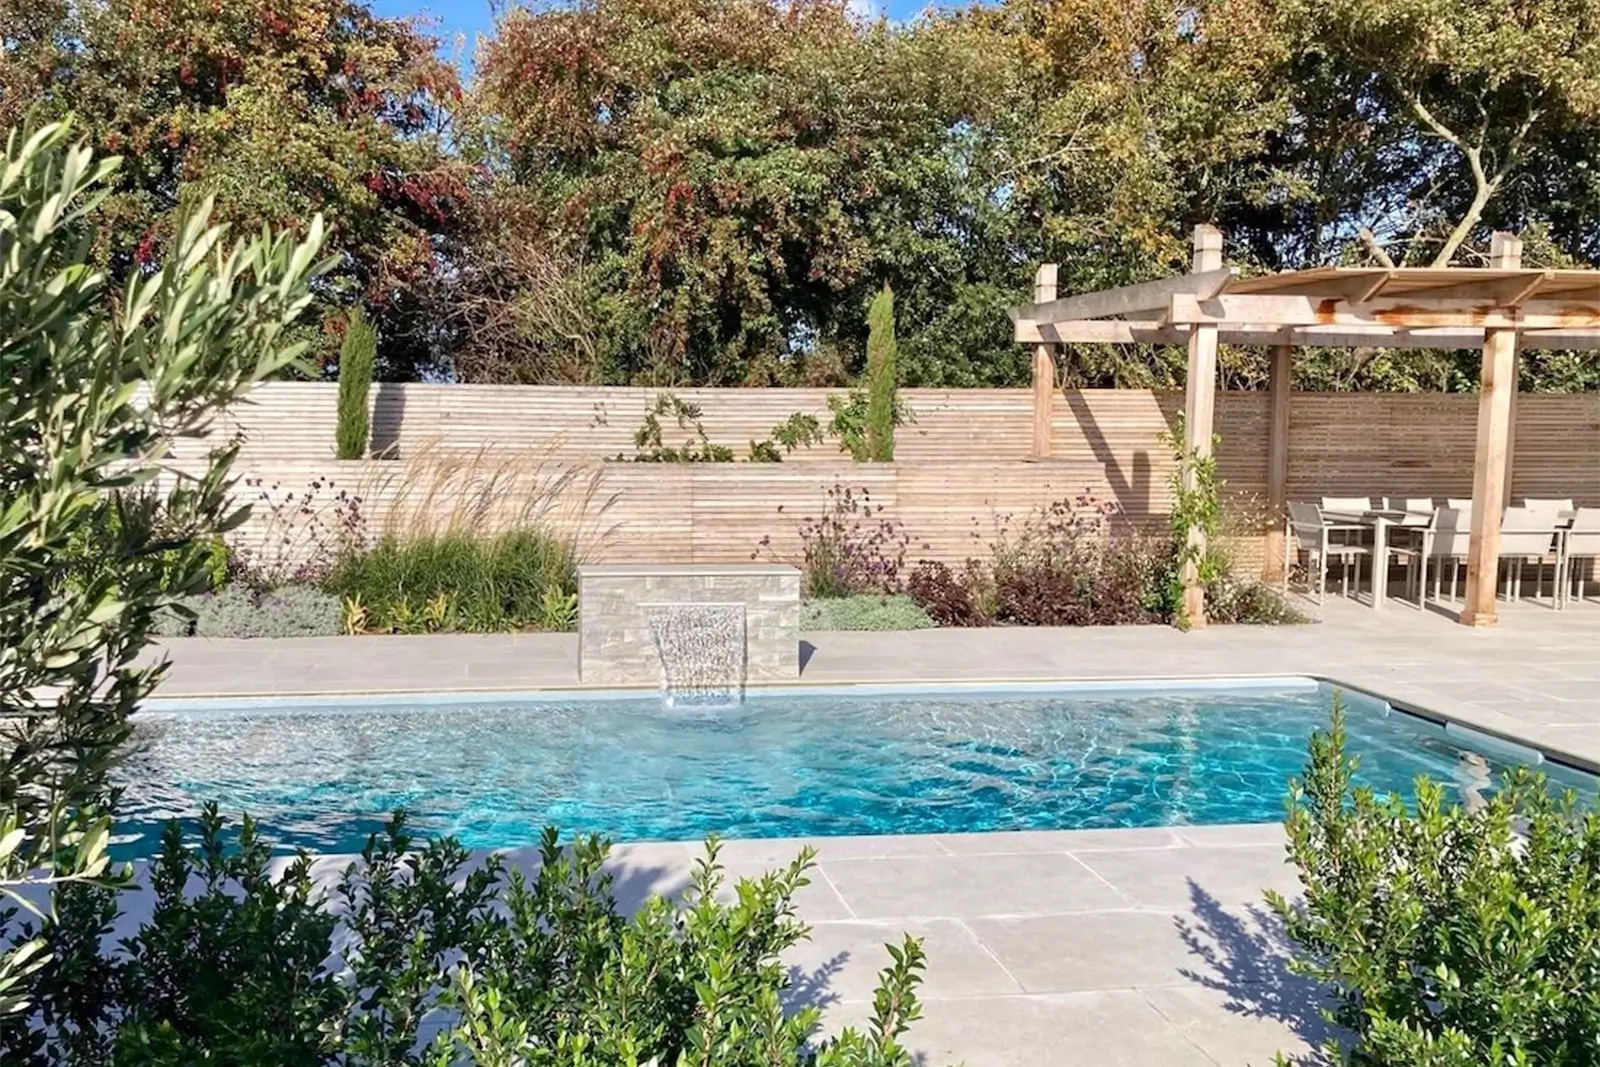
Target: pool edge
[(1553, 752)]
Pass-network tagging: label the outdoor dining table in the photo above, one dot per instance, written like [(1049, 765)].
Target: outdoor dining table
[(1378, 520), (1381, 520)]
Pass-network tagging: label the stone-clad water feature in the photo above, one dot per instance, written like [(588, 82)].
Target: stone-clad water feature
[(702, 650), (700, 629)]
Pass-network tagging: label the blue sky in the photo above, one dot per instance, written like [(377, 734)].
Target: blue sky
[(468, 18)]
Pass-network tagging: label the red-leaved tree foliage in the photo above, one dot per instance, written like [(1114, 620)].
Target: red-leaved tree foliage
[(277, 108)]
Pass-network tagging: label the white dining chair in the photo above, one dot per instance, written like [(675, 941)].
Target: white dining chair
[(1583, 547), (1412, 505), (1446, 540), (1528, 535), (1406, 537), (1457, 504), (1537, 504), (1347, 503), (1309, 535)]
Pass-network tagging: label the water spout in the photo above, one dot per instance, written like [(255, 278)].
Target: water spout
[(702, 650)]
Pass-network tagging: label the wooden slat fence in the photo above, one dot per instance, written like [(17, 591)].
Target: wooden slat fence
[(961, 468)]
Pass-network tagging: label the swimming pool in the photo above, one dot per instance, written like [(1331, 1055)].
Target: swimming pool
[(494, 771)]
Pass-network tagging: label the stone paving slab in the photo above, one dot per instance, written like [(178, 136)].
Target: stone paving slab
[(1145, 948)]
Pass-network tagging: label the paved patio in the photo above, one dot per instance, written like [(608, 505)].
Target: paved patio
[(1148, 948)]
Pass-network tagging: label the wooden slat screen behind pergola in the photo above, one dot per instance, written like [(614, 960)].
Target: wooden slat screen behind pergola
[(1501, 309)]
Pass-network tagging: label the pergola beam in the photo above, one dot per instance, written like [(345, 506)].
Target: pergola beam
[(1106, 331), (1415, 312), (1500, 310), (1128, 299)]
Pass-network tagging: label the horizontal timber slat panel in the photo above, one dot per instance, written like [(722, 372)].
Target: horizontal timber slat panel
[(503, 454), (297, 420)]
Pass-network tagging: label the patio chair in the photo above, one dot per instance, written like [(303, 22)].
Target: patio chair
[(1308, 534), (1352, 505), (1528, 534), (1583, 545), (1456, 504), (1446, 538), (1548, 505), (1407, 537), (1414, 505)]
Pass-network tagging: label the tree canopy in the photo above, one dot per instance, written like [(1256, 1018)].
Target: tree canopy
[(276, 109), (712, 191)]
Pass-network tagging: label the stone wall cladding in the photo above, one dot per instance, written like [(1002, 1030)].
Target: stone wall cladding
[(615, 644)]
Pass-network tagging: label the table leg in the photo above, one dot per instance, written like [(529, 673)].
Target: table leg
[(1380, 563), (1422, 567)]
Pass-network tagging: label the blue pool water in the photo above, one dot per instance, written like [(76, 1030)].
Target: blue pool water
[(494, 773)]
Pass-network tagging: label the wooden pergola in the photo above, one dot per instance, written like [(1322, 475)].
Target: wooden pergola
[(1501, 309)]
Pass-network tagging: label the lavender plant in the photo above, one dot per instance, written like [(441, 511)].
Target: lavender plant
[(850, 548)]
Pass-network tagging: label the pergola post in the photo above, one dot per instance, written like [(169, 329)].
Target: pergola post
[(1200, 401), (1044, 369), (1491, 459), (1279, 382)]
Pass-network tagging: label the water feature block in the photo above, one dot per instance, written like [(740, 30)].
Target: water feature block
[(617, 646)]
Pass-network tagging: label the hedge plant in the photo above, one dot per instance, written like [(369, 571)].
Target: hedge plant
[(1449, 935), (420, 956)]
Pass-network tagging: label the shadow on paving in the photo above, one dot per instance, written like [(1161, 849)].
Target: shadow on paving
[(1244, 954)]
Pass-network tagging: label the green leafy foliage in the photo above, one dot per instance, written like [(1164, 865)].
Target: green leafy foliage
[(798, 431), (242, 963), (864, 612), (521, 579), (1450, 935), (358, 354), (1196, 516), (881, 382), (810, 158), (850, 421), (649, 443), (89, 401), (135, 519), (711, 193)]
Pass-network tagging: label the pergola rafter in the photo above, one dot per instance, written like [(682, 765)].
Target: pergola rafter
[(1501, 309)]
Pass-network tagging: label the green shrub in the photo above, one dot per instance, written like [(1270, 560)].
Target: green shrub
[(293, 611), (358, 355), (864, 613), (457, 581), (650, 445), (881, 351), (1450, 937), (799, 430), (237, 965)]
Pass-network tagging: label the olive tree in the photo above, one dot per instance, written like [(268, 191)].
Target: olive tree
[(94, 386)]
